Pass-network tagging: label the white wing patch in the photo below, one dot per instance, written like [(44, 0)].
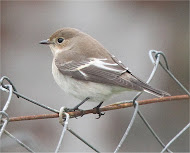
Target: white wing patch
[(100, 64), (103, 65), (84, 74), (84, 68), (120, 63)]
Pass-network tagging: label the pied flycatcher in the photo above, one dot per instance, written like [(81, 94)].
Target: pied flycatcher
[(83, 68)]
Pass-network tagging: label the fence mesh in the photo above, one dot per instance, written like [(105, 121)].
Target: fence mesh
[(10, 89)]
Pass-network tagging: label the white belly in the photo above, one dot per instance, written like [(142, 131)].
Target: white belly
[(83, 89)]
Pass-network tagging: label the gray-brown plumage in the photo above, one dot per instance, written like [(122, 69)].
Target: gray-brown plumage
[(84, 68)]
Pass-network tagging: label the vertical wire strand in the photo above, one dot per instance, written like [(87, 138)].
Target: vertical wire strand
[(128, 128), (135, 103), (5, 120), (166, 68), (9, 98), (155, 63), (65, 124)]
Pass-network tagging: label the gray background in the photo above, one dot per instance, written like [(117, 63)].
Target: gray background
[(128, 30)]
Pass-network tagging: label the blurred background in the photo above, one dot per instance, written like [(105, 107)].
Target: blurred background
[(128, 30)]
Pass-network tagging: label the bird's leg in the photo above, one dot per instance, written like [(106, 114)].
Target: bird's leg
[(98, 110), (82, 102), (77, 106)]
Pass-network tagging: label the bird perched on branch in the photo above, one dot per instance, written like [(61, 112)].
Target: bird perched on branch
[(83, 68)]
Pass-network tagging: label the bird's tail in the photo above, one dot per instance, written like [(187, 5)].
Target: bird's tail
[(156, 92), (147, 88)]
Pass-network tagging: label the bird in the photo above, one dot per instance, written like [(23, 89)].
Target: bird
[(82, 67)]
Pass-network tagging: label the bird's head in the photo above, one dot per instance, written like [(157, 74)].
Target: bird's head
[(61, 40)]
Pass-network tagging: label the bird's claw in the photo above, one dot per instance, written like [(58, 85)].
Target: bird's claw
[(98, 110), (100, 114), (73, 110)]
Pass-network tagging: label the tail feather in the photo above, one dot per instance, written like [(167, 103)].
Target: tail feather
[(156, 92), (148, 88)]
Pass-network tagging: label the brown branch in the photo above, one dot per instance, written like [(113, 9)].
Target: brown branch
[(105, 108)]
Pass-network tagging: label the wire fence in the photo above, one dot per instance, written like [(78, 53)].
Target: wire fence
[(64, 117)]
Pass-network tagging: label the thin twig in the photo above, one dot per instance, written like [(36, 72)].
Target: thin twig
[(103, 109)]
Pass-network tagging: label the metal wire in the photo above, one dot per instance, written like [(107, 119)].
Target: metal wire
[(128, 128), (179, 134), (175, 79), (10, 88), (24, 97), (65, 127), (155, 63), (9, 98), (80, 138), (166, 68), (3, 112), (9, 81), (18, 141), (64, 124), (5, 122)]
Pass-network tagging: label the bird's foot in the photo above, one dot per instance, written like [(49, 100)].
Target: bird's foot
[(74, 109), (98, 110)]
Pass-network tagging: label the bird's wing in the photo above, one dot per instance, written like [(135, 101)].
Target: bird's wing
[(99, 70), (106, 71)]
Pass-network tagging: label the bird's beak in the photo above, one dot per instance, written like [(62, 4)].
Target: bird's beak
[(46, 42)]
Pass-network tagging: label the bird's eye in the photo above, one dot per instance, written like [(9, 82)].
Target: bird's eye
[(60, 40)]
